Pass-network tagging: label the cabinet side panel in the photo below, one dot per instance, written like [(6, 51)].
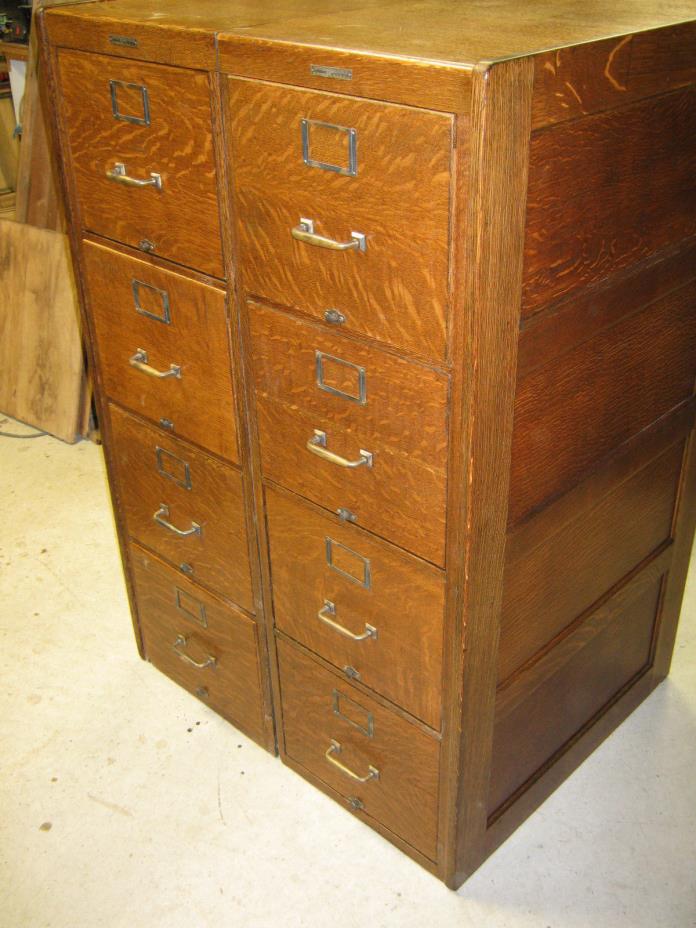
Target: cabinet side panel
[(607, 191), (602, 492)]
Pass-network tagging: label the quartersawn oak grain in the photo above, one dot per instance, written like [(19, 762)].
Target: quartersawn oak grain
[(582, 674), (574, 411), (200, 403), (181, 219), (606, 192), (170, 606), (393, 57), (386, 292), (404, 797), (218, 557), (546, 588), (370, 583)]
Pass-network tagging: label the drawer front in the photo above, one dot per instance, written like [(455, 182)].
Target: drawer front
[(178, 327), (150, 119), (375, 176), (320, 396), (360, 603), (185, 505), (200, 642), (339, 734)]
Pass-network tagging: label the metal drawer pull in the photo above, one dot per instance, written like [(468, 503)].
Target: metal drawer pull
[(160, 519), (329, 609), (118, 174), (305, 233), (180, 643), (139, 362), (335, 748), (317, 445)]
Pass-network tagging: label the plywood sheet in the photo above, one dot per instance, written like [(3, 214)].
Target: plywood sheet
[(41, 363)]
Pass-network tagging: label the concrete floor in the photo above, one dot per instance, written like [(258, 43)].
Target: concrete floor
[(125, 802)]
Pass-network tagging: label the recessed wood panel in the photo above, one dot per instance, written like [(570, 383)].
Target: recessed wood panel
[(172, 136), (549, 703), (154, 471), (175, 320), (546, 588), (397, 196), (319, 708), (222, 639), (608, 191), (574, 411), (315, 559)]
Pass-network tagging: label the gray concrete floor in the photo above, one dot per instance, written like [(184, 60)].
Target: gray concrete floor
[(125, 802)]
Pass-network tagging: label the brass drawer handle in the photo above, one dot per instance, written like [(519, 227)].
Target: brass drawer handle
[(139, 362), (317, 445), (119, 176), (180, 643), (329, 609), (304, 232), (160, 519), (335, 748)]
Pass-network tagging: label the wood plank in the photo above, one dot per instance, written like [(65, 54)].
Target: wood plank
[(579, 80), (607, 191), (39, 195), (491, 269), (41, 364), (548, 587), (575, 411), (547, 705)]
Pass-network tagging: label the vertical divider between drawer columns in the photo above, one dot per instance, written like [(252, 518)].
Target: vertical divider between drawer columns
[(248, 440), (66, 185), (488, 244)]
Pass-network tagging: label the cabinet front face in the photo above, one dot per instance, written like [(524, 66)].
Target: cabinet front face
[(382, 765), (184, 505), (368, 608), (162, 342), (353, 428), (141, 148), (347, 196), (202, 643)]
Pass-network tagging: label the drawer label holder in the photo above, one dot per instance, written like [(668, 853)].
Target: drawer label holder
[(348, 170), (143, 120)]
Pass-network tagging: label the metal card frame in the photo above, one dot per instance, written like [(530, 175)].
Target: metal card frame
[(366, 582), (352, 169), (201, 618), (369, 731), (166, 316), (162, 454), (143, 120), (361, 398)]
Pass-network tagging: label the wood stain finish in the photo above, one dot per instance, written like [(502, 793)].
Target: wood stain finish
[(459, 241)]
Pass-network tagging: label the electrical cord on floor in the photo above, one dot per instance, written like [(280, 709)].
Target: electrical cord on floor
[(14, 435)]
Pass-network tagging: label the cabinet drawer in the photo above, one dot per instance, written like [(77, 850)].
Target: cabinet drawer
[(352, 168), (388, 605), (139, 308), (320, 396), (185, 505), (388, 766), (200, 642), (150, 119)]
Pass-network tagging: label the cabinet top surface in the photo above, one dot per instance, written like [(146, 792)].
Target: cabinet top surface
[(461, 32)]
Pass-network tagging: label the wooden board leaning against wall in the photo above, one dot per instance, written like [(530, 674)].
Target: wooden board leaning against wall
[(43, 380)]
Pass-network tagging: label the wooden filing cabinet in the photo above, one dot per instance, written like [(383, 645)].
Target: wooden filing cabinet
[(394, 333)]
